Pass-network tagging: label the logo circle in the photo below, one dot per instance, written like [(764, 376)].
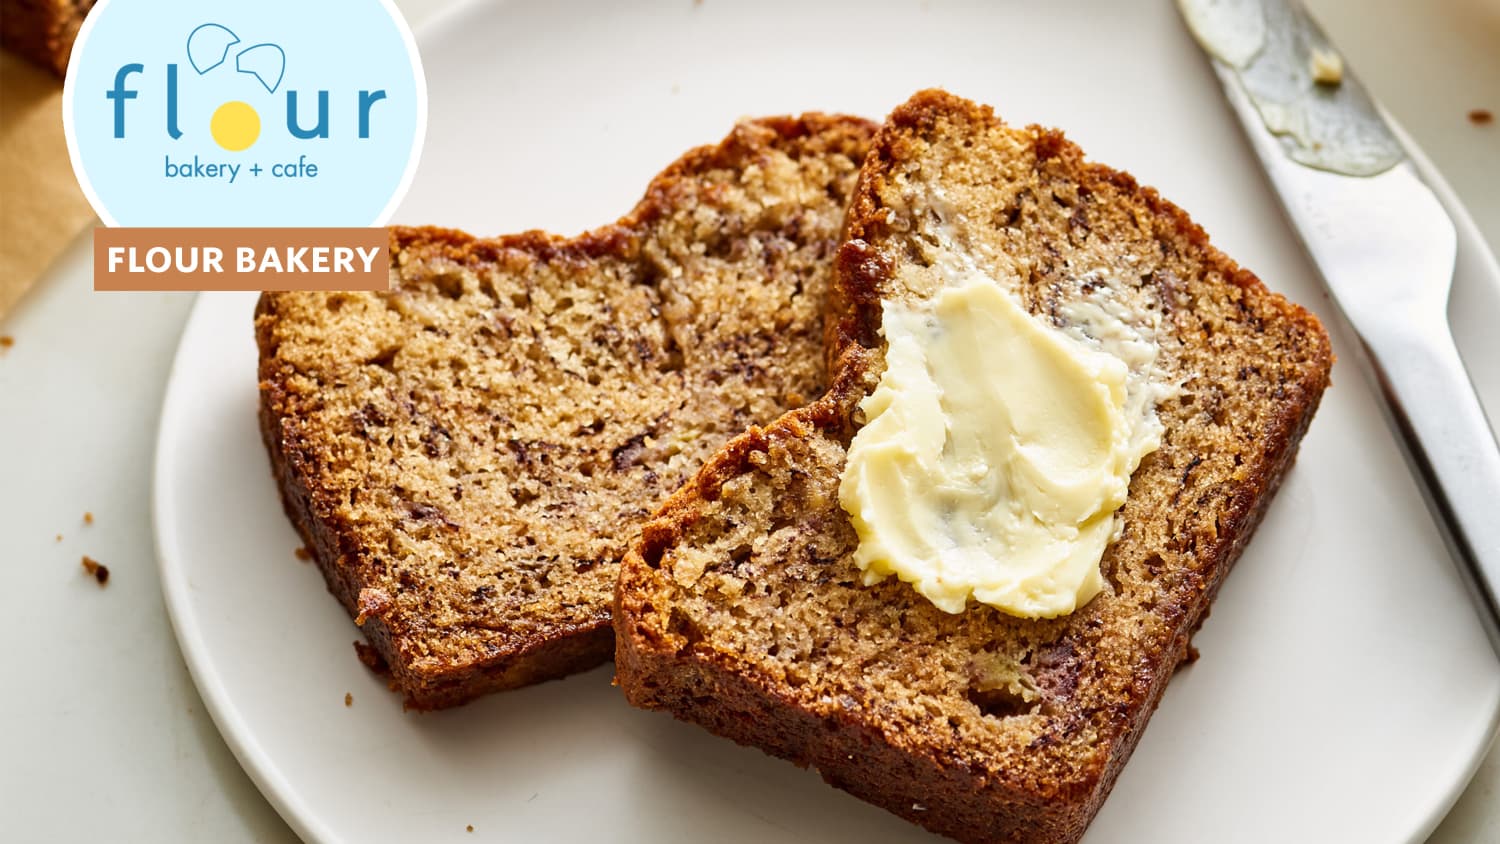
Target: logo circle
[(273, 113), (235, 126)]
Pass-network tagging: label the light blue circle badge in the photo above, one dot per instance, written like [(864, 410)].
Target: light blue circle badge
[(254, 113)]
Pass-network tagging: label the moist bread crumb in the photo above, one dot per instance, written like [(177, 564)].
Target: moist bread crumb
[(742, 610), (468, 455)]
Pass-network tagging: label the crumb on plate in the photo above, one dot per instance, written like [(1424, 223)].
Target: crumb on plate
[(303, 554), (6, 341), (348, 698), (88, 518), (96, 569), (1481, 117)]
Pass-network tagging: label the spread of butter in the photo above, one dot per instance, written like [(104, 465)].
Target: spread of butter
[(1234, 31), (998, 446), (1297, 81)]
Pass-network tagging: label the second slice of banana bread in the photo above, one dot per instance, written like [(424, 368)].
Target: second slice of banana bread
[(743, 610)]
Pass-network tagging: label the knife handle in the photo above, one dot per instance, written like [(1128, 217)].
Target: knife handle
[(1451, 449)]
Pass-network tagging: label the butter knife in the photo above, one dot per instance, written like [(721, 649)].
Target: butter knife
[(1385, 249)]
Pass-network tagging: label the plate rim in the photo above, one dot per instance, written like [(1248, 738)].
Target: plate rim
[(1468, 233), (236, 731)]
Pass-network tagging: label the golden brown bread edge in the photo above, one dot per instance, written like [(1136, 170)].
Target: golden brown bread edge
[(850, 750), (314, 512)]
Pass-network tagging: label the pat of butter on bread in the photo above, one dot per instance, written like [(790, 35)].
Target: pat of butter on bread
[(995, 452)]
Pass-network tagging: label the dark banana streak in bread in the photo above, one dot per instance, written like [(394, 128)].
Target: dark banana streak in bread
[(742, 609), (469, 455)]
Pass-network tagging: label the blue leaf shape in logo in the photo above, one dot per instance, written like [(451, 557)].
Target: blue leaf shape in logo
[(208, 46), (266, 62)]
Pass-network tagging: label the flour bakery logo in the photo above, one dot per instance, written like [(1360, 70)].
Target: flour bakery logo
[(259, 113)]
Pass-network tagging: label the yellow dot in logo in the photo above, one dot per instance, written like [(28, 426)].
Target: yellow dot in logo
[(235, 126)]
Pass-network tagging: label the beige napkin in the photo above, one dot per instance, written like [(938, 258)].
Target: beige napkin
[(42, 209)]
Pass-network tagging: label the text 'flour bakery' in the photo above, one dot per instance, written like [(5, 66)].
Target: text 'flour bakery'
[(242, 259)]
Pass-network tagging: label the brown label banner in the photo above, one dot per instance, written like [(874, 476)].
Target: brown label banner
[(241, 259)]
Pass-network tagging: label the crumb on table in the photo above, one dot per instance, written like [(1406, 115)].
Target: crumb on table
[(1481, 117), (88, 518), (303, 554), (96, 569), (348, 698)]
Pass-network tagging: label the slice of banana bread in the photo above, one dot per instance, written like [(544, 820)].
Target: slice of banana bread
[(742, 608), (469, 454)]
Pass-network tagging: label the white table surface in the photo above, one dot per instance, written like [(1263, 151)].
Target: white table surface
[(104, 736)]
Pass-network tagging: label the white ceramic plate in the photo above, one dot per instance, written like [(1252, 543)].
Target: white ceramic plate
[(1345, 690)]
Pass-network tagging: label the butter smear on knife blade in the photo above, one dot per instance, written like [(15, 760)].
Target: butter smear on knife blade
[(1286, 68)]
